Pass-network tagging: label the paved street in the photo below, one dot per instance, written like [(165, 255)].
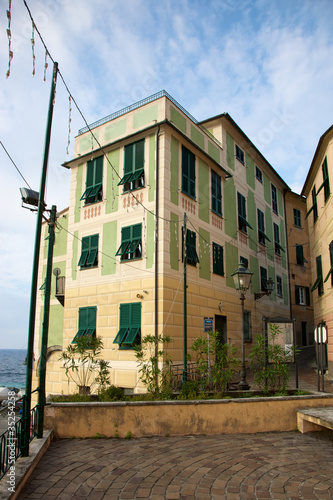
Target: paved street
[(286, 465)]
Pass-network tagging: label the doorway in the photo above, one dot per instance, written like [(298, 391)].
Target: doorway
[(221, 328)]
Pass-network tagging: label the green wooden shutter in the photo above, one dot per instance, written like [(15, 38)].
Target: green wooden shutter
[(218, 259), (129, 155), (307, 295), (98, 170), (297, 295), (139, 155), (216, 193), (263, 278)]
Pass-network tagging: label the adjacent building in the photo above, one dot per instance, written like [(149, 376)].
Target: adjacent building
[(144, 180), (301, 303), (317, 190)]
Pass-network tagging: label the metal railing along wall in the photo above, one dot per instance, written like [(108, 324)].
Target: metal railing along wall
[(11, 439)]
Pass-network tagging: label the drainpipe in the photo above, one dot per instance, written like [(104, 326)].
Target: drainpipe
[(156, 248)]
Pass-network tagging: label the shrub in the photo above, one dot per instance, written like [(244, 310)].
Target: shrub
[(270, 362)]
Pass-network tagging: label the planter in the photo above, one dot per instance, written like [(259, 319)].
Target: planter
[(160, 418)]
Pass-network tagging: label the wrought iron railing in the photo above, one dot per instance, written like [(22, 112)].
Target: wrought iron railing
[(11, 439), (147, 100), (178, 376)]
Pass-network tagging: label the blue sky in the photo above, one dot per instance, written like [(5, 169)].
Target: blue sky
[(268, 63)]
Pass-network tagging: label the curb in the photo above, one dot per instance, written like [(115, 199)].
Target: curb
[(24, 466)]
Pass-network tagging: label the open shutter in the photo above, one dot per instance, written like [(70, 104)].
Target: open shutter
[(124, 323), (139, 155), (297, 294)]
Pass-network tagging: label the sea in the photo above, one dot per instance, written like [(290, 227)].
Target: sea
[(12, 368)]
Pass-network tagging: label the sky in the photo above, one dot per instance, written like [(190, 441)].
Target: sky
[(268, 63)]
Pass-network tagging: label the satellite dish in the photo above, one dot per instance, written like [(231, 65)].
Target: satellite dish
[(56, 271)]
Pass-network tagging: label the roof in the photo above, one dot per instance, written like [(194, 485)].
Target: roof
[(315, 157)]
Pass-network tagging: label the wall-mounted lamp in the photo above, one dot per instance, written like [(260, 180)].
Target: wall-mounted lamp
[(269, 288), (139, 296), (29, 197), (221, 306)]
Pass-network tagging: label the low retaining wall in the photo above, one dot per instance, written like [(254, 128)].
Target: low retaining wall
[(176, 418)]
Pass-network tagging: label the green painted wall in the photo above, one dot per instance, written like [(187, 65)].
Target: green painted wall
[(285, 289), (88, 142), (112, 190), (174, 241), (283, 244), (231, 263), (254, 267), (271, 274), (204, 254), (230, 208), (150, 240), (75, 256), (267, 189), (214, 152), (56, 322), (280, 202), (109, 248), (269, 233), (230, 152), (145, 116), (152, 167), (115, 129), (197, 137), (178, 119), (250, 178), (78, 193), (174, 169), (203, 171), (252, 219)]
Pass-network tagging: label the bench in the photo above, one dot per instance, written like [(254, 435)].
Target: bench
[(315, 419)]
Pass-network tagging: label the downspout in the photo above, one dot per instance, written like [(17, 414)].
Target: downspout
[(156, 247), (287, 251)]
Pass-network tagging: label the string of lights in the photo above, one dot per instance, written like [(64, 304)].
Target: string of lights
[(9, 36)]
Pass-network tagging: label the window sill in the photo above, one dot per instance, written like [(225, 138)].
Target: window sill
[(130, 260), (217, 214), (88, 267), (189, 196), (92, 203)]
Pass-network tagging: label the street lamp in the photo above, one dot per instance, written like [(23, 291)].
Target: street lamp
[(269, 288), (242, 280)]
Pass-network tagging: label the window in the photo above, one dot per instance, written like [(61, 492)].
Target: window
[(188, 172), (131, 243), (274, 199), (279, 289), (87, 323), (326, 181), (242, 222), (314, 207), (89, 252), (216, 194), (330, 272), (93, 192), (247, 326), (240, 154), (318, 285), (300, 260), (261, 228), (277, 246), (129, 334), (302, 295), (134, 155), (263, 279), (258, 174), (244, 262), (218, 259), (191, 252), (297, 218)]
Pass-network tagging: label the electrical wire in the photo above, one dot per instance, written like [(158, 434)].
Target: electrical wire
[(11, 159)]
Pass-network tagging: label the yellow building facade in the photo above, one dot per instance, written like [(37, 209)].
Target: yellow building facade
[(319, 201), (137, 178)]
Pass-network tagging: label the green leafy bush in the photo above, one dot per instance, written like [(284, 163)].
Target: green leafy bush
[(270, 362)]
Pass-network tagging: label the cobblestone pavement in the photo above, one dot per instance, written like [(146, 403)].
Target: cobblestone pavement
[(285, 465)]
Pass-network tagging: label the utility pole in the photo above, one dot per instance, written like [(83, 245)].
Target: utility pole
[(34, 279), (45, 330), (185, 303)]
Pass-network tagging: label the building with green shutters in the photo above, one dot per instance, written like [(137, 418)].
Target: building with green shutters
[(137, 178)]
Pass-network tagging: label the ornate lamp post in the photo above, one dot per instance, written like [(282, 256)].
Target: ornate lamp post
[(242, 280)]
